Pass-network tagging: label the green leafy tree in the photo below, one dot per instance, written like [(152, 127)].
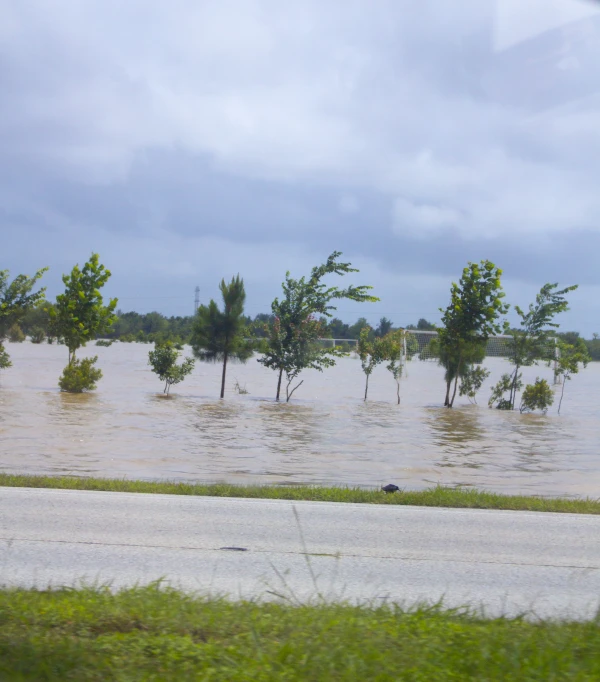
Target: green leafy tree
[(5, 362), (163, 360), (372, 352), (506, 384), (472, 316), (384, 327), (80, 315), (80, 375), (15, 334), (570, 357), (532, 341), (537, 396), (16, 298), (37, 335), (472, 381), (293, 335), (425, 325), (36, 317), (296, 348), (397, 351), (355, 329), (338, 329), (593, 347), (219, 335)]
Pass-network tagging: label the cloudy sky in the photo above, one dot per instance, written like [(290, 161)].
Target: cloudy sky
[(191, 140)]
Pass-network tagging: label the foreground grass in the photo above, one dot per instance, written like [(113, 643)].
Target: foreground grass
[(434, 497), (149, 633)]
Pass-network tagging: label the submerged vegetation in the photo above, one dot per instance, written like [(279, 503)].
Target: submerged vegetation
[(293, 334), (290, 339), (79, 316), (163, 360)]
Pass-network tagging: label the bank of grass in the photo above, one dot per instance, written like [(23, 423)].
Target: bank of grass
[(149, 633), (433, 497)]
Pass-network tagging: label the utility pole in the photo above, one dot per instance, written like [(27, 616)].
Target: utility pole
[(197, 300)]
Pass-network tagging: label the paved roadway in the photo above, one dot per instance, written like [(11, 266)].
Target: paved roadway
[(507, 562)]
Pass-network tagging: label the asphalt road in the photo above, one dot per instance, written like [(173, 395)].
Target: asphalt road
[(506, 562)]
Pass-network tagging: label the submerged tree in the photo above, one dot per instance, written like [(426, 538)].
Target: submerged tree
[(532, 342), (537, 396), (292, 337), (78, 316), (472, 381), (16, 299), (400, 346), (80, 375), (163, 360), (219, 335), (471, 318), (570, 357), (372, 352), (5, 362)]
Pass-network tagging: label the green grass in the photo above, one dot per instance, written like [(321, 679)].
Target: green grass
[(434, 497), (149, 633)]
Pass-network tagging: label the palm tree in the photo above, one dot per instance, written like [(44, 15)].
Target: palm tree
[(218, 335)]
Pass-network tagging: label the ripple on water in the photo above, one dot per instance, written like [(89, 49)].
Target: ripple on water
[(326, 435)]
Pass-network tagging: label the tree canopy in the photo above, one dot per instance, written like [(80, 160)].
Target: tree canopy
[(296, 328), (219, 335), (476, 303)]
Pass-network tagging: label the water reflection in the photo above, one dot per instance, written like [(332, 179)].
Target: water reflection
[(74, 409), (459, 434), (288, 427)]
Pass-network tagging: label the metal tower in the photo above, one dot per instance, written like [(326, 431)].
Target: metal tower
[(197, 299)]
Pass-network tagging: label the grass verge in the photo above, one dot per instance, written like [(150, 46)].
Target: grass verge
[(434, 497), (149, 633)]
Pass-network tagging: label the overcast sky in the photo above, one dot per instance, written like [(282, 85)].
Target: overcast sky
[(191, 140)]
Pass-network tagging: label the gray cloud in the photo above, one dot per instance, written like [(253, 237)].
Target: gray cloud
[(190, 141)]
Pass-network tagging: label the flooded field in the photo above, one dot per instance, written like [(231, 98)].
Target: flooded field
[(327, 435)]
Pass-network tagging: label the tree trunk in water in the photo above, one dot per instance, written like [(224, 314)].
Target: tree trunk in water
[(458, 369), (513, 389), (398, 391), (454, 392), (279, 385), (447, 399), (366, 388), (223, 377), (562, 393)]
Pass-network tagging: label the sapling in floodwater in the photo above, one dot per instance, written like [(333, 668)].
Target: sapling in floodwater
[(163, 360), (16, 300), (80, 315), (372, 352), (299, 319), (220, 335), (397, 350), (476, 304), (537, 396), (570, 356), (471, 381), (532, 342)]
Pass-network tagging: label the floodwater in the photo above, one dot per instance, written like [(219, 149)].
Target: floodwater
[(326, 435)]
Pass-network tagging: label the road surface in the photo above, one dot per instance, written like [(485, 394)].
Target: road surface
[(506, 562)]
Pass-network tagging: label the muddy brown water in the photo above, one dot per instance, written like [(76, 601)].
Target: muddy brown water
[(327, 435)]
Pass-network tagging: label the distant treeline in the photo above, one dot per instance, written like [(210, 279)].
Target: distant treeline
[(152, 327)]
